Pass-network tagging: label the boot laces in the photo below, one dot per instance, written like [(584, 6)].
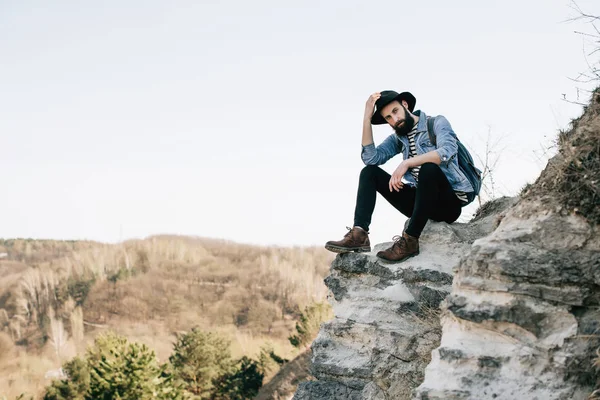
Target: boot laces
[(349, 233), (399, 241)]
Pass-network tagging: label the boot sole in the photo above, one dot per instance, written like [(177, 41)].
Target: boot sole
[(341, 250), (400, 260)]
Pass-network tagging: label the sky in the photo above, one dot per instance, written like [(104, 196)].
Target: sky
[(243, 120)]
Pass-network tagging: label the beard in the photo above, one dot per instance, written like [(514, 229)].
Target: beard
[(406, 126)]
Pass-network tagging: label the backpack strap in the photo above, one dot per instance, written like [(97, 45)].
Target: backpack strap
[(430, 121)]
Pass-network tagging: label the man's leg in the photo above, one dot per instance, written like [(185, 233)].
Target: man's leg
[(435, 199), (373, 180)]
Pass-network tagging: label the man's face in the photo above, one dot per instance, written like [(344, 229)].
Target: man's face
[(398, 117)]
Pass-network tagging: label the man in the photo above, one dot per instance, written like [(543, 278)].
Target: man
[(434, 187)]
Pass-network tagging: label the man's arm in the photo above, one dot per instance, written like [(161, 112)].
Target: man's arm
[(447, 146), (370, 154), (367, 135), (432, 156), (445, 151), (379, 155), (396, 179)]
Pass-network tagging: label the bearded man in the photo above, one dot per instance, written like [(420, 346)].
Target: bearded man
[(428, 183)]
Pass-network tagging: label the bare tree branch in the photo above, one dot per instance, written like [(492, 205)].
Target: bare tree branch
[(581, 15), (592, 75), (489, 160), (585, 34), (574, 102)]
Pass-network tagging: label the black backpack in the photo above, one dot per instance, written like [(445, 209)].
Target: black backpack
[(465, 161)]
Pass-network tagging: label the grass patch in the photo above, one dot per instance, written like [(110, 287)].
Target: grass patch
[(572, 177)]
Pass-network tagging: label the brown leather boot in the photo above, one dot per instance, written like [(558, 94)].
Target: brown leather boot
[(357, 239), (404, 247)]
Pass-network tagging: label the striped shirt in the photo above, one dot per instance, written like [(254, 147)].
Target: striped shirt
[(412, 152), (462, 196)]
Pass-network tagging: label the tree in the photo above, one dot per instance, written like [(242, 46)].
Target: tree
[(115, 369), (73, 388), (309, 324), (489, 161), (199, 358), (126, 371), (242, 383)]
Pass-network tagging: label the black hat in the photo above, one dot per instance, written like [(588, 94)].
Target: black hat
[(387, 96)]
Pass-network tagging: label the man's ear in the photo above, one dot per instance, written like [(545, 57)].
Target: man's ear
[(405, 104)]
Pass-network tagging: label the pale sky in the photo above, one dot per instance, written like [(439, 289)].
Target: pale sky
[(242, 119)]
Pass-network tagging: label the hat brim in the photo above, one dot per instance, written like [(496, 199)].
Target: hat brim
[(377, 118)]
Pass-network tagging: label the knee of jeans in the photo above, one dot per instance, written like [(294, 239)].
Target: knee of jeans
[(428, 169), (368, 172)]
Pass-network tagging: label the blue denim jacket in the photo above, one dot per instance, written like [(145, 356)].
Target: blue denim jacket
[(446, 148)]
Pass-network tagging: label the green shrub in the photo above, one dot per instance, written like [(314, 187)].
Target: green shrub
[(309, 324), (267, 359), (73, 388), (198, 359), (122, 274), (79, 289), (242, 383)]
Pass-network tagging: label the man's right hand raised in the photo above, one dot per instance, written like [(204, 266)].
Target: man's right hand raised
[(370, 106), (367, 136)]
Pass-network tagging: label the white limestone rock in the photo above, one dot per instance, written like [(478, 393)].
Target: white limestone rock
[(387, 315), (522, 319)]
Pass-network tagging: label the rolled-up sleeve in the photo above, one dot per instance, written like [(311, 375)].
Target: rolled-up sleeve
[(445, 139), (372, 155)]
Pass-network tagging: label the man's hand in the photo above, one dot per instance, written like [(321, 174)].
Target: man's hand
[(396, 179), (370, 106)]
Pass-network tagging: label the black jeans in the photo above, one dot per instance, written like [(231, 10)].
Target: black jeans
[(433, 198)]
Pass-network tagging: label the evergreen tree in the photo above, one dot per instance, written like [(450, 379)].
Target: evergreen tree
[(75, 387), (199, 358), (242, 383), (115, 369)]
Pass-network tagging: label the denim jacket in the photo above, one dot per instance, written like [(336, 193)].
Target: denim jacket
[(446, 148)]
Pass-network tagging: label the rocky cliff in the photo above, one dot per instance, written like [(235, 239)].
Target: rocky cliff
[(387, 315), (521, 321), (519, 289)]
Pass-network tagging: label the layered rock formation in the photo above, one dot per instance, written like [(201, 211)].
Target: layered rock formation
[(523, 319), (386, 315)]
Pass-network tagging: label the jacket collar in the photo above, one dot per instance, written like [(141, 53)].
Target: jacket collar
[(422, 124)]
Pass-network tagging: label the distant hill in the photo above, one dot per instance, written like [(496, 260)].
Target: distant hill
[(147, 290)]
